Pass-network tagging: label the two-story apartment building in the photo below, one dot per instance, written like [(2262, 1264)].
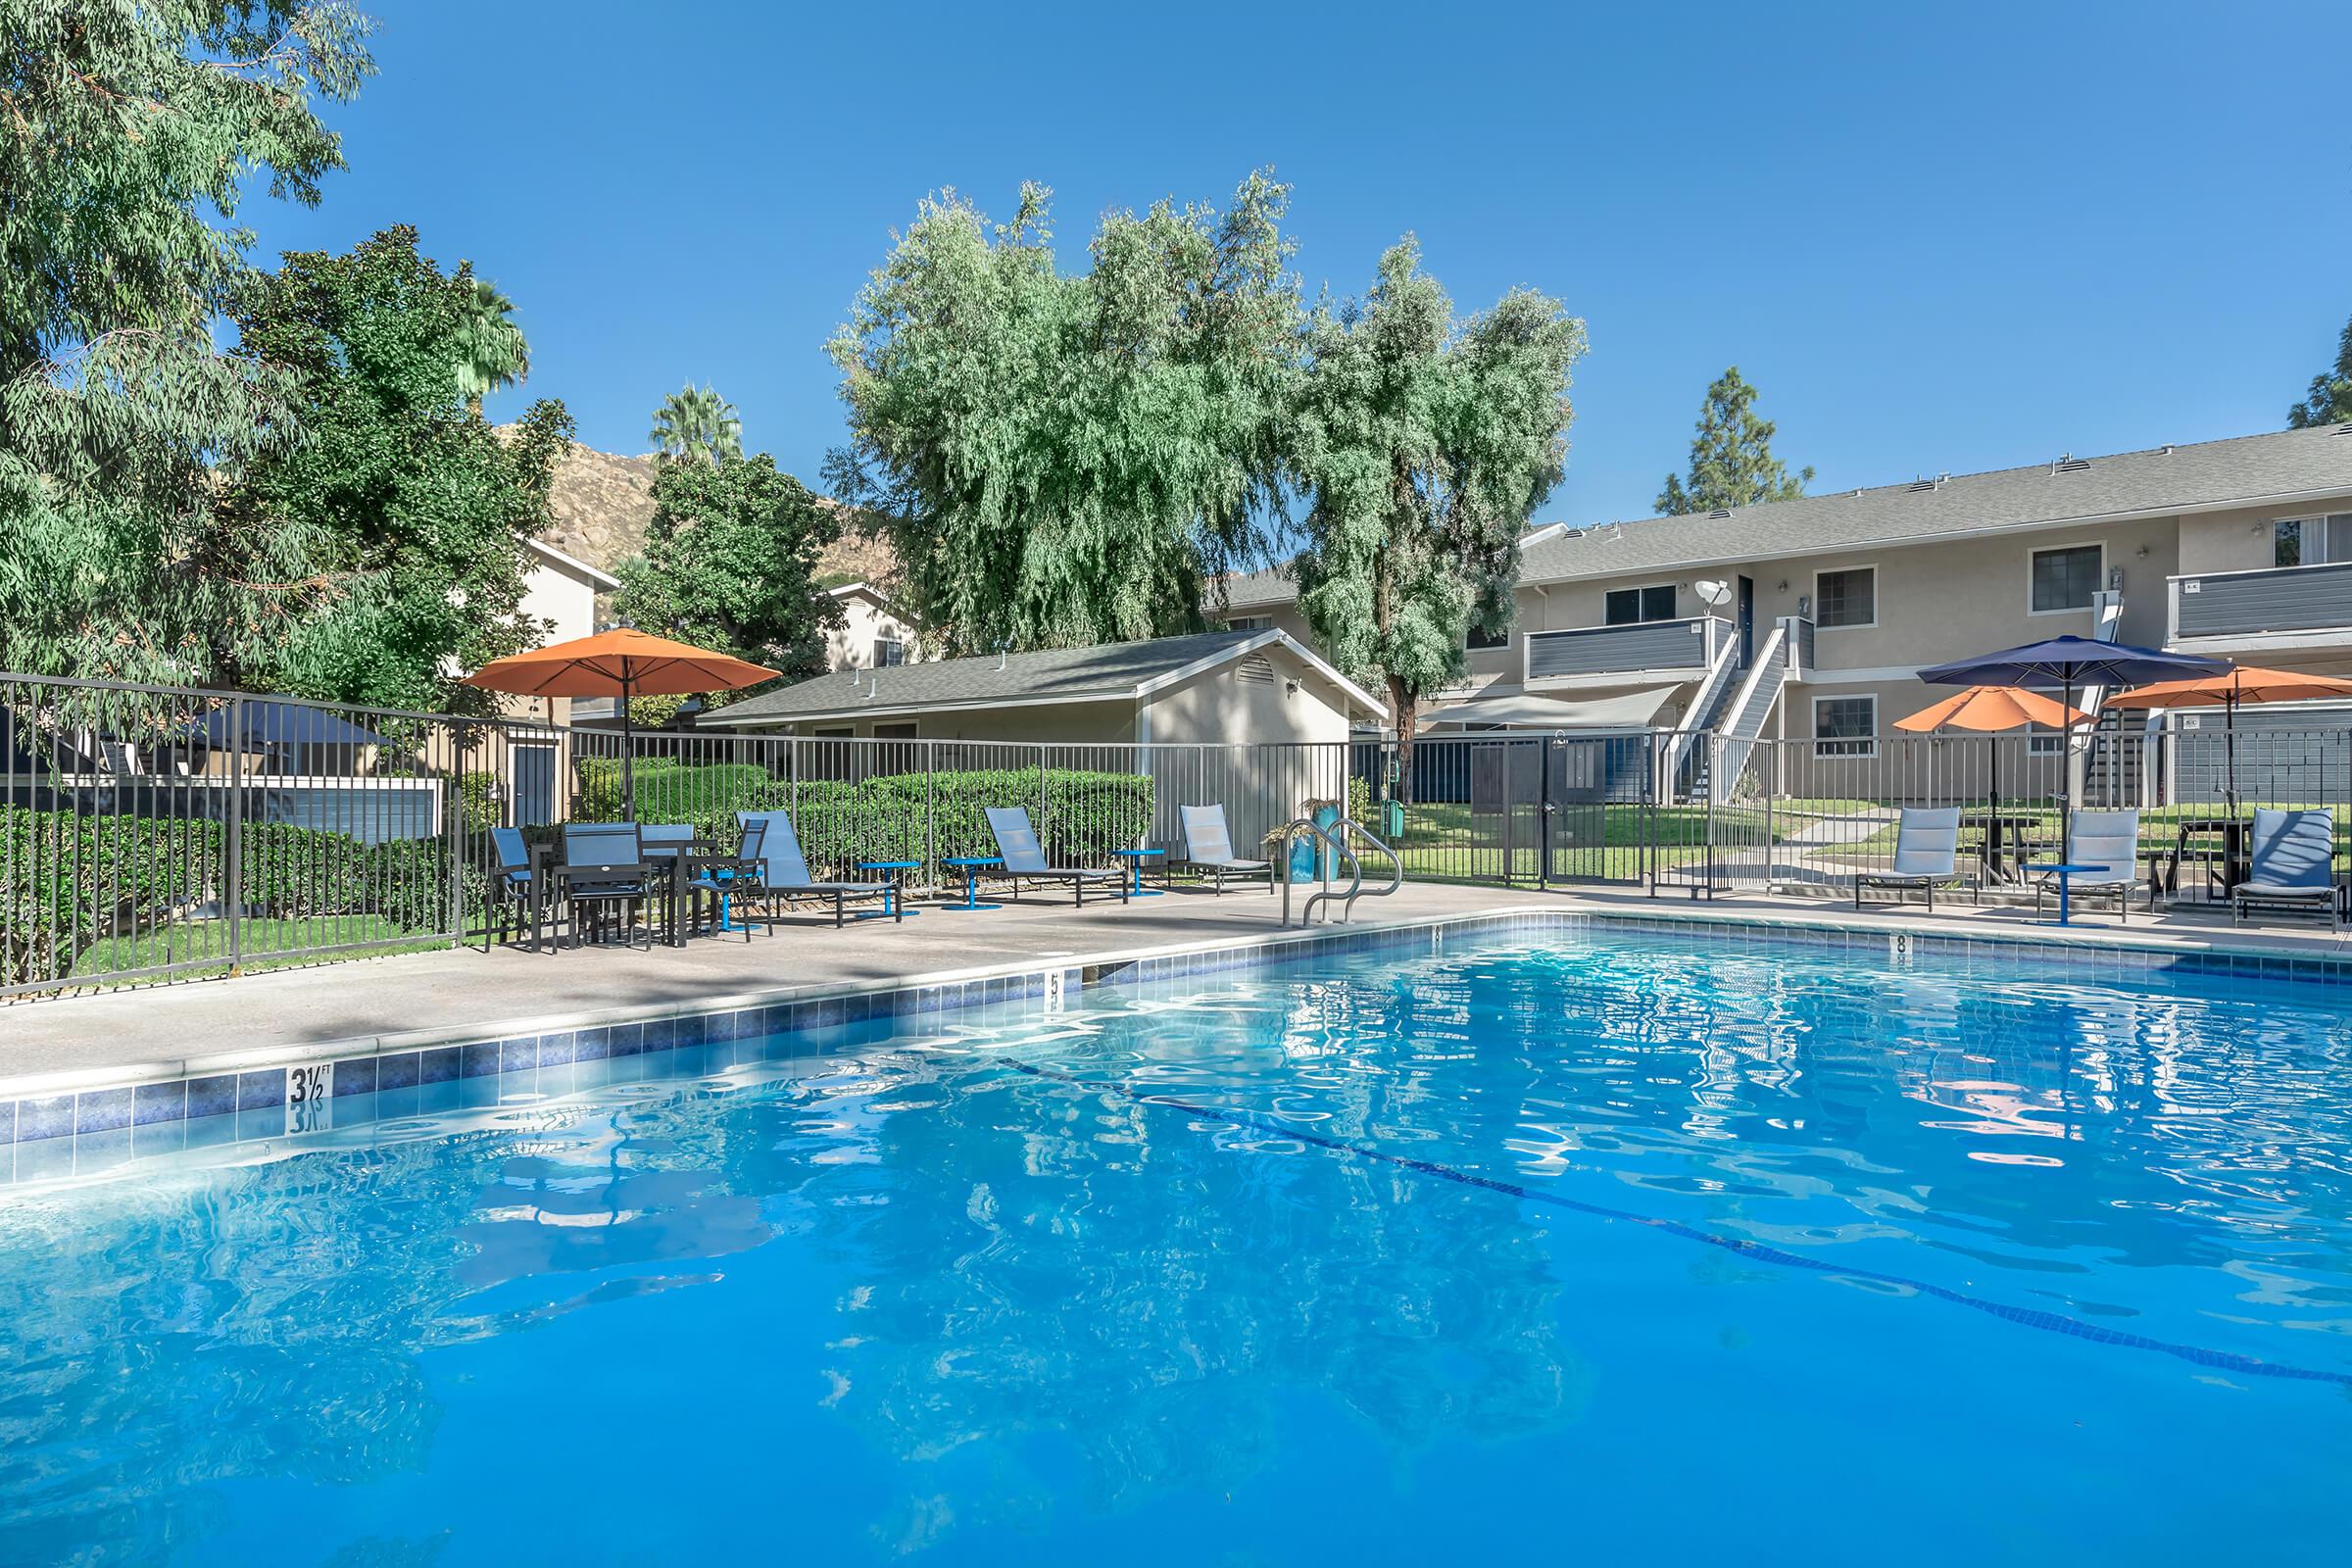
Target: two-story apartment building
[(1810, 617)]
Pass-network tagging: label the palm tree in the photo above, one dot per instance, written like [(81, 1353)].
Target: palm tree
[(495, 355), (697, 422)]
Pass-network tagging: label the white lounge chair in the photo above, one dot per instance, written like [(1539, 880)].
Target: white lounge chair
[(1208, 848), (2106, 839), (2292, 865), (1017, 842), (1926, 843)]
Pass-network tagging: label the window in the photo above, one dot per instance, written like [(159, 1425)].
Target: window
[(2066, 578), (894, 732), (1250, 623), (1847, 598), (1629, 607), (1500, 638), (2311, 541), (889, 653), (2041, 742), (1846, 726)]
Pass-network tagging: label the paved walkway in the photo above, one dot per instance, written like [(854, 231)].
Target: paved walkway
[(163, 1030)]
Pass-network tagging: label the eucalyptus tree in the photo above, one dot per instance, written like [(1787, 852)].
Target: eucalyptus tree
[(129, 130), (1062, 459), (1425, 442), (1731, 455), (493, 353), (696, 423)]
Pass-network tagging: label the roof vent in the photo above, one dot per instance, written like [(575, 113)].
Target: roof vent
[(1923, 484), (2344, 429), (1256, 667), (2166, 450), (1719, 512), (2070, 464), (1857, 495)]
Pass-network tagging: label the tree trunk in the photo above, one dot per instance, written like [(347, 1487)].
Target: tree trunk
[(1404, 706)]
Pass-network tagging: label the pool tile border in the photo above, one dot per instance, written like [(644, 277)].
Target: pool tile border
[(409, 1075)]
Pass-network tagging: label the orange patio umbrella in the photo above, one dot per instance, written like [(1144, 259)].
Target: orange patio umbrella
[(1987, 710), (623, 663), (2241, 683)]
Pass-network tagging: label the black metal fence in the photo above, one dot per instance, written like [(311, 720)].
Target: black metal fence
[(154, 833)]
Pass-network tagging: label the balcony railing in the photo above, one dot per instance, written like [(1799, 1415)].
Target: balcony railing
[(2281, 599), (1670, 649), (1800, 630)]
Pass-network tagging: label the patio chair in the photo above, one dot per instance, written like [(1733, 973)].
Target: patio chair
[(1017, 842), (1208, 848), (2292, 865), (663, 843), (606, 876), (1926, 843), (2110, 839), (511, 889), (783, 870)]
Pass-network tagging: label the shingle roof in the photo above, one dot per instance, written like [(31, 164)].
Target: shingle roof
[(1108, 670), (2164, 479), (2243, 470)]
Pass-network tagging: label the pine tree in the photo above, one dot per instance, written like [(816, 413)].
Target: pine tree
[(1731, 458), (2329, 400)]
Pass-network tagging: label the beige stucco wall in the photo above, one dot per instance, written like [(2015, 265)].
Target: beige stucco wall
[(1220, 707), (1056, 723), (852, 645), (554, 594)]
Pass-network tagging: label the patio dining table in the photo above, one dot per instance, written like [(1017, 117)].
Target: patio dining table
[(2224, 864), (675, 864)]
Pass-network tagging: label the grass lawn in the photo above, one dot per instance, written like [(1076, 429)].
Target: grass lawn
[(267, 945)]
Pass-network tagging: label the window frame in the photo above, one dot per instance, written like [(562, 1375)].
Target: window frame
[(1642, 592), (1820, 573), (2098, 578), (881, 642), (1471, 636), (2326, 522), (1862, 747)]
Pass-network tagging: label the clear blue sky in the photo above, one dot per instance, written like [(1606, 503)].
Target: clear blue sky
[(1935, 238)]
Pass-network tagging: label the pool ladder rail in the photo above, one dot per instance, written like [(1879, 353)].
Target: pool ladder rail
[(1336, 837)]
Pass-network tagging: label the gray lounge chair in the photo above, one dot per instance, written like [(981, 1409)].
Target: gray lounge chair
[(1017, 842), (605, 879), (1208, 848), (1926, 844), (2292, 865), (784, 871), (2109, 839)]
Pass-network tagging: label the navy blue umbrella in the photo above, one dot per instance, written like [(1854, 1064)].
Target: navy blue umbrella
[(2067, 662)]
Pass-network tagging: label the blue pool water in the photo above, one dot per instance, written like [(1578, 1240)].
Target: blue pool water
[(1621, 1248)]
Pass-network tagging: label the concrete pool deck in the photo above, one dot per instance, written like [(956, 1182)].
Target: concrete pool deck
[(369, 1004)]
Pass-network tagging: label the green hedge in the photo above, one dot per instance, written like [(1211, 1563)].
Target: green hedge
[(1080, 816), (69, 880)]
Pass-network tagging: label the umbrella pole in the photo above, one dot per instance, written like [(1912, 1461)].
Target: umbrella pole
[(629, 750), (2229, 747), (2066, 770)]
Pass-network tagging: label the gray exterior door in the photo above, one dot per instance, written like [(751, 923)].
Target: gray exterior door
[(534, 785), (1748, 621)]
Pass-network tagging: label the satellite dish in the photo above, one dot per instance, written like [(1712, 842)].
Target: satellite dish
[(1711, 591)]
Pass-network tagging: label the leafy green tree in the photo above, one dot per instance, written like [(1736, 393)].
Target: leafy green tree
[(2329, 400), (730, 563), (496, 357), (414, 510), (1062, 460), (126, 133), (1731, 458), (696, 423), (1425, 444)]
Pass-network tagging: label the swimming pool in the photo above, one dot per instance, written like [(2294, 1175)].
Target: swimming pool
[(1618, 1244)]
